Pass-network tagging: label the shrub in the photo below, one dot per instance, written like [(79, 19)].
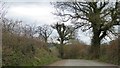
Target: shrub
[(74, 51), (23, 51), (110, 53)]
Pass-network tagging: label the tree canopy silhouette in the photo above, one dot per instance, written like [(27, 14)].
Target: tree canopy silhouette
[(65, 33), (44, 31), (100, 17)]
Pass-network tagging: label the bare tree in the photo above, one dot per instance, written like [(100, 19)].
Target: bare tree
[(100, 17), (11, 27), (29, 31), (18, 28), (2, 13), (65, 33), (44, 31), (3, 9), (8, 25)]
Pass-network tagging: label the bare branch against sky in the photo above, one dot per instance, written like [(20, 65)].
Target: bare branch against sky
[(55, 0), (38, 12)]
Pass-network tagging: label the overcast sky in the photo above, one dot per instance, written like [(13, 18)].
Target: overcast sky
[(38, 12)]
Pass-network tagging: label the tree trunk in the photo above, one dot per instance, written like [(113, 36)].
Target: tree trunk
[(45, 39), (61, 50), (46, 44), (95, 47), (118, 49)]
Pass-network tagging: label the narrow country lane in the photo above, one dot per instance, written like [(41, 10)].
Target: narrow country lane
[(80, 63)]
